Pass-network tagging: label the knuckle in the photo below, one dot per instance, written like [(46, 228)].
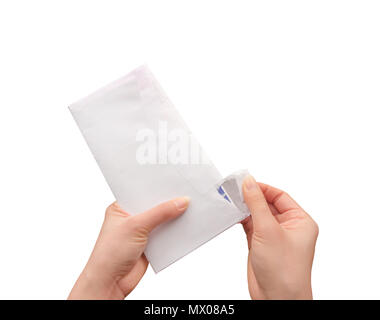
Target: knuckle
[(115, 209), (316, 228), (265, 233), (137, 234), (111, 208), (135, 227), (266, 227)]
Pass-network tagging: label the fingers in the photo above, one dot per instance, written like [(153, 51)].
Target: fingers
[(162, 213), (273, 209), (257, 204), (279, 199), (248, 226)]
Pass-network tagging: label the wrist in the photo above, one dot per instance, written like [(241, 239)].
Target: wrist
[(92, 285), (290, 292), (287, 288), (304, 293)]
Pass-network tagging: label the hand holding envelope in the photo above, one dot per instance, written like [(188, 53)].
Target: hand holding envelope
[(117, 262), (148, 156)]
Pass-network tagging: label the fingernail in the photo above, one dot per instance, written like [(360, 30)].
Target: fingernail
[(182, 203), (249, 183)]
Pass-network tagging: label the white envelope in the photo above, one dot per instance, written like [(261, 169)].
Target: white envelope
[(148, 155)]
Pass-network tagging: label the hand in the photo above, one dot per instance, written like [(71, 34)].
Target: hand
[(117, 262), (281, 240)]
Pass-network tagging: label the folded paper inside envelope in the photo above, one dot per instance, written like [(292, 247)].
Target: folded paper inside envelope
[(148, 155)]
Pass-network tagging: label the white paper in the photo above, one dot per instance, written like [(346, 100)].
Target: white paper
[(112, 121)]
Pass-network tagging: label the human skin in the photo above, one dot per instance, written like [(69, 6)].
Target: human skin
[(118, 263), (281, 240)]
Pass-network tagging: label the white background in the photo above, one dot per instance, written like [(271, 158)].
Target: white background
[(288, 89)]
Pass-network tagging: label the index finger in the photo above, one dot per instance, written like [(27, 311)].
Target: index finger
[(278, 198)]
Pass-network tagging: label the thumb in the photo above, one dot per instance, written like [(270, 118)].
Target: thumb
[(262, 217), (162, 213)]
